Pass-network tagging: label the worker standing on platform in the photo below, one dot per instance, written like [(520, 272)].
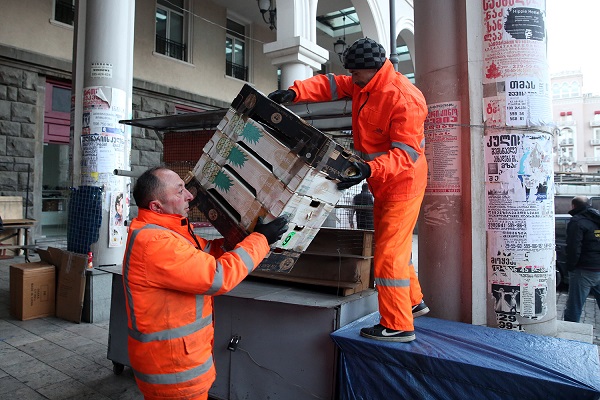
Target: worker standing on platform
[(170, 276), (388, 114)]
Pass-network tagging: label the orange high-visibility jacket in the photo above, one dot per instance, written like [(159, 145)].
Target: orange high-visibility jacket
[(169, 285), (387, 127)]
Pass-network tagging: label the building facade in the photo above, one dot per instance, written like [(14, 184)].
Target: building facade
[(189, 55), (577, 117)]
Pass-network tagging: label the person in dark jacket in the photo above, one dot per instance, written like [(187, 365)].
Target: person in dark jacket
[(583, 256), (364, 209)]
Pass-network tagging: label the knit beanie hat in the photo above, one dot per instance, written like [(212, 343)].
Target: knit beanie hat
[(365, 53)]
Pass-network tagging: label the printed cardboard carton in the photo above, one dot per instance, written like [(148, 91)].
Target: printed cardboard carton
[(306, 141), (268, 190), (251, 137), (32, 290), (223, 184)]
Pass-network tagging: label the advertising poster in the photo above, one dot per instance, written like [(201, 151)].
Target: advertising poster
[(520, 224), (118, 212), (443, 149), (515, 30)]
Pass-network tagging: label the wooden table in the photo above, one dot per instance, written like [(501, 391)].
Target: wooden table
[(20, 228)]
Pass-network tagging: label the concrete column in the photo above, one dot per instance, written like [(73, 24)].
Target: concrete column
[(102, 95), (451, 265), (486, 231), (295, 50)]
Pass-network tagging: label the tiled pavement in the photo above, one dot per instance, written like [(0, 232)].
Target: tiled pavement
[(50, 358)]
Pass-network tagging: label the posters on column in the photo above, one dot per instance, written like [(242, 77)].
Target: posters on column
[(515, 63), (103, 138), (520, 205), (443, 149)]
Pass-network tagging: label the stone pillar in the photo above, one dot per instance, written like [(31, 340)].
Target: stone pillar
[(451, 258)]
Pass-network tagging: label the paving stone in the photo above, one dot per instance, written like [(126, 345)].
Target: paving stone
[(24, 393), (67, 389)]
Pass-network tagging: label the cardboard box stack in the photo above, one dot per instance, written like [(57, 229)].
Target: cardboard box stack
[(262, 162), (53, 286)]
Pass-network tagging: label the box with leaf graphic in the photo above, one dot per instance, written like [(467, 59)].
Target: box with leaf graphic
[(307, 142), (268, 166), (280, 259), (224, 183)]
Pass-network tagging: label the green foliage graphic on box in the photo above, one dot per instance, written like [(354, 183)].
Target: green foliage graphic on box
[(222, 181), (236, 157), (251, 134)]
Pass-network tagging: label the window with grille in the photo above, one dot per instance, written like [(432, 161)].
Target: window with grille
[(235, 51), (170, 29), (64, 11)]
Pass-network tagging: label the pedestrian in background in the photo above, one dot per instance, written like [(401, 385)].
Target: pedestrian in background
[(170, 276), (583, 257), (363, 209), (388, 115)]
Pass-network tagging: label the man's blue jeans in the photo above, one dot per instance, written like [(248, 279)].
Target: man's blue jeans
[(581, 284)]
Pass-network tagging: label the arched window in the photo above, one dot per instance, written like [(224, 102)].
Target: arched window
[(564, 89), (575, 89)]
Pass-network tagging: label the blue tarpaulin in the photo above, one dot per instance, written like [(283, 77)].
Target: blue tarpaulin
[(453, 360)]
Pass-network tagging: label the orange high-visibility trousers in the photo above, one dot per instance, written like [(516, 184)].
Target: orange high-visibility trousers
[(398, 288)]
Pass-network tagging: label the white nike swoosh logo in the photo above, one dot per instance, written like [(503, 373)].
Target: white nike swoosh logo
[(386, 333)]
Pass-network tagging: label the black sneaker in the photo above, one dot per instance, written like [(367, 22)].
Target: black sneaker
[(380, 332), (420, 309)]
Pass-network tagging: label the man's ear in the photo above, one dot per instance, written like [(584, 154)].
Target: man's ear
[(155, 206)]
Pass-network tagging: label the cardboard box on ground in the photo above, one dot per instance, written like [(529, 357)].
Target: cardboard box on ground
[(54, 286), (275, 165)]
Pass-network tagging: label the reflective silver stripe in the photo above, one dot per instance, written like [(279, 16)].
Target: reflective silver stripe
[(245, 258), (422, 144), (332, 86), (219, 273), (175, 377), (412, 153), (371, 156), (168, 333), (392, 282), (217, 283), (174, 333), (126, 276)]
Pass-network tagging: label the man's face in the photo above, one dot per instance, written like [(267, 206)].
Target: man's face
[(175, 197), (361, 77)]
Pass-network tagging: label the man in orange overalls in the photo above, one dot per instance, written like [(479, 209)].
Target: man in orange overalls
[(388, 113), (170, 276)]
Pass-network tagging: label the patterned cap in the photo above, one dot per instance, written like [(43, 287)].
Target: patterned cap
[(365, 53)]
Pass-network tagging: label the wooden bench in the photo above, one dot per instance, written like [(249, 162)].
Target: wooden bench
[(17, 229)]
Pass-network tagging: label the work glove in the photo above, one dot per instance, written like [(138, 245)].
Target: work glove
[(282, 96), (272, 230), (355, 174)]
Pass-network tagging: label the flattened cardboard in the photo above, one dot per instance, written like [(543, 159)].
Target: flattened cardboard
[(70, 290)]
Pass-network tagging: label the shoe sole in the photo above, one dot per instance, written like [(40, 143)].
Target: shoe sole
[(421, 312), (402, 339)]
